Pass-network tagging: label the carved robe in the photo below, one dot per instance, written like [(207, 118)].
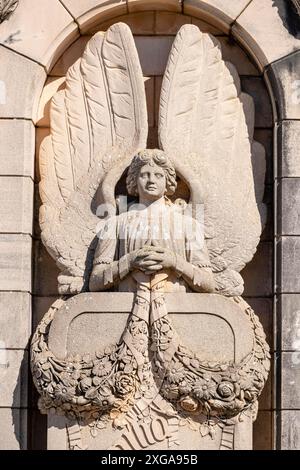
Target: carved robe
[(159, 224)]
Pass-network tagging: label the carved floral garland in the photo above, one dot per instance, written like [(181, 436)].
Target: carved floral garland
[(105, 387), (214, 389)]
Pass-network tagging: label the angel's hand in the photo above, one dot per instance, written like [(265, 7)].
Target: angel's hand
[(139, 259), (159, 258)]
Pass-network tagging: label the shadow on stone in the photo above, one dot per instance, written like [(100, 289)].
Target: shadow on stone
[(19, 415), (289, 12)]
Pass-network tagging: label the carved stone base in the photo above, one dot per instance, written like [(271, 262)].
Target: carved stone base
[(160, 434), (204, 399)]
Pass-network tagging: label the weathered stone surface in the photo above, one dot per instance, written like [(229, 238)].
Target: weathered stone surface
[(138, 5), (170, 23), (290, 380), (17, 147), (260, 25), (19, 97), (40, 306), (90, 12), (265, 399), (15, 264), (268, 231), (158, 83), (206, 27), (14, 378), (16, 204), (38, 430), (15, 319), (265, 137), (217, 12), (257, 274), (289, 312), (31, 32), (289, 206), (40, 134), (46, 272), (77, 319), (289, 148), (290, 429), (52, 85), (283, 76), (152, 141), (139, 23), (288, 249), (36, 213), (82, 316), (233, 53), (153, 53), (255, 87), (56, 433), (262, 431), (68, 57), (13, 434), (263, 307), (150, 98)]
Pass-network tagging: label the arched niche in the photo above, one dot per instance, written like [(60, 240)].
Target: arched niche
[(255, 37)]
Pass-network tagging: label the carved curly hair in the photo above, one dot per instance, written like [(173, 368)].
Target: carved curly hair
[(151, 157)]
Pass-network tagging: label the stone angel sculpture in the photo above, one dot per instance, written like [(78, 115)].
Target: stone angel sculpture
[(156, 245)]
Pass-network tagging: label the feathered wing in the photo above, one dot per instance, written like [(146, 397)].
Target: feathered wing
[(98, 121), (206, 126)]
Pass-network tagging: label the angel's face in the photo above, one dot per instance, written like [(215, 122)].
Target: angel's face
[(151, 182)]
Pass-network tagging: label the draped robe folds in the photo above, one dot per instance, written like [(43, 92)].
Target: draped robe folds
[(163, 225)]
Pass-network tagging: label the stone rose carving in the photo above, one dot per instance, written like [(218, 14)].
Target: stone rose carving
[(156, 244), (7, 7)]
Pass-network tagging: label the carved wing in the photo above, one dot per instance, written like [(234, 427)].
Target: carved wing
[(98, 121), (206, 125)]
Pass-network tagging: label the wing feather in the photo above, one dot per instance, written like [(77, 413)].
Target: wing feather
[(206, 125), (98, 121)]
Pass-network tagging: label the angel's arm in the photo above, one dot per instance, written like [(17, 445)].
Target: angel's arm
[(106, 275), (106, 270), (196, 269), (198, 276)]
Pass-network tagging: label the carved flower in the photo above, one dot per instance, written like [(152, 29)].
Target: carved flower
[(106, 402), (140, 342), (42, 357), (124, 383), (170, 391), (175, 373), (185, 388), (85, 384), (102, 367), (126, 368), (204, 389), (226, 391), (64, 393)]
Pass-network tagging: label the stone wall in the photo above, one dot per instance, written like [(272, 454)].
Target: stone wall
[(38, 43), (154, 33)]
